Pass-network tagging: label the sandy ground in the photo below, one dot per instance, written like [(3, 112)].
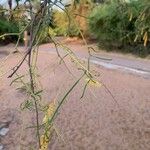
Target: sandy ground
[(95, 122)]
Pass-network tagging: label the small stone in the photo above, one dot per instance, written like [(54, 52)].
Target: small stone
[(4, 131), (4, 124), (1, 147)]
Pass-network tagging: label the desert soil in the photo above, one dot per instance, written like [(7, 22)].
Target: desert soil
[(95, 122)]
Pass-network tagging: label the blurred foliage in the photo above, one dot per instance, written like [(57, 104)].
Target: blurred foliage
[(74, 19), (64, 24), (122, 25), (8, 27), (81, 11), (117, 24), (142, 22)]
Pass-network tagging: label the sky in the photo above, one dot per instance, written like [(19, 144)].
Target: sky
[(2, 2), (5, 3)]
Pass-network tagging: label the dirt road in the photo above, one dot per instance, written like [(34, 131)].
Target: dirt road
[(112, 60), (95, 122)]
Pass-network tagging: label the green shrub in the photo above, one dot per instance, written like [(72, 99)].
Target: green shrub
[(65, 26), (8, 27), (116, 24), (110, 22), (45, 33)]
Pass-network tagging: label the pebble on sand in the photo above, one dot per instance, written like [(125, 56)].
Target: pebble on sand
[(4, 131), (1, 147)]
